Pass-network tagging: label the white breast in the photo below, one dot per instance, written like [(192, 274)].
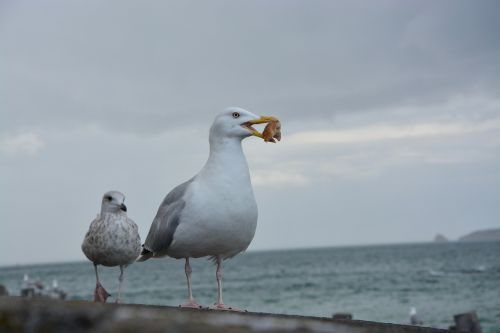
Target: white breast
[(220, 216)]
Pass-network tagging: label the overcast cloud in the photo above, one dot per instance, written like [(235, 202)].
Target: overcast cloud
[(390, 112)]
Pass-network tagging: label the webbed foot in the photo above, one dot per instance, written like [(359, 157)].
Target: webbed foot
[(192, 304), (100, 294), (223, 307)]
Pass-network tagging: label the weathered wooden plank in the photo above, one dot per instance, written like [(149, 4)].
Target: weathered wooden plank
[(46, 315)]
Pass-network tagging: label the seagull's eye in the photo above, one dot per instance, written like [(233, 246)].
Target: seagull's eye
[(236, 115), (109, 198)]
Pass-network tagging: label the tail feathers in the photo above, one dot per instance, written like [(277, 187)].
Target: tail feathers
[(145, 255)]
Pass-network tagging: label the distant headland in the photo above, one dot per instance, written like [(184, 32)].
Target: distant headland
[(487, 235)]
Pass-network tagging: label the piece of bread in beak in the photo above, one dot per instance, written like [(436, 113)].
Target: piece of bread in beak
[(272, 131)]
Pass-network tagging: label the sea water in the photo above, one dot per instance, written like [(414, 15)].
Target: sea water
[(378, 283)]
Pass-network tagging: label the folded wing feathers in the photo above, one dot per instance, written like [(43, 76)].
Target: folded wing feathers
[(168, 217)]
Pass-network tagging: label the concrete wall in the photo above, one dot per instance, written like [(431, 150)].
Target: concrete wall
[(45, 315)]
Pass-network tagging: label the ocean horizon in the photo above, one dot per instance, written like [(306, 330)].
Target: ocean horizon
[(305, 248)]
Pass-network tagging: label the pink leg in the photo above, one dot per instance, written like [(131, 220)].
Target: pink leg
[(220, 303), (100, 294), (191, 303)]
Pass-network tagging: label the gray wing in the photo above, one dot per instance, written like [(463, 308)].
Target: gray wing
[(166, 220)]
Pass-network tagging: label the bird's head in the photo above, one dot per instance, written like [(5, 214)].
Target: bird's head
[(237, 123), (112, 202)]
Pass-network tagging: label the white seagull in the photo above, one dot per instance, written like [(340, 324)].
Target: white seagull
[(214, 213), (112, 240)]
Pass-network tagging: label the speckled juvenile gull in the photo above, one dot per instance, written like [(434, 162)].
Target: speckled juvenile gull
[(112, 240), (214, 213)]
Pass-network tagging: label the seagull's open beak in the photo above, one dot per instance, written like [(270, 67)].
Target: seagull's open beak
[(123, 207), (261, 120)]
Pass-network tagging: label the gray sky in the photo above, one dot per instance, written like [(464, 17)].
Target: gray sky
[(390, 113)]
